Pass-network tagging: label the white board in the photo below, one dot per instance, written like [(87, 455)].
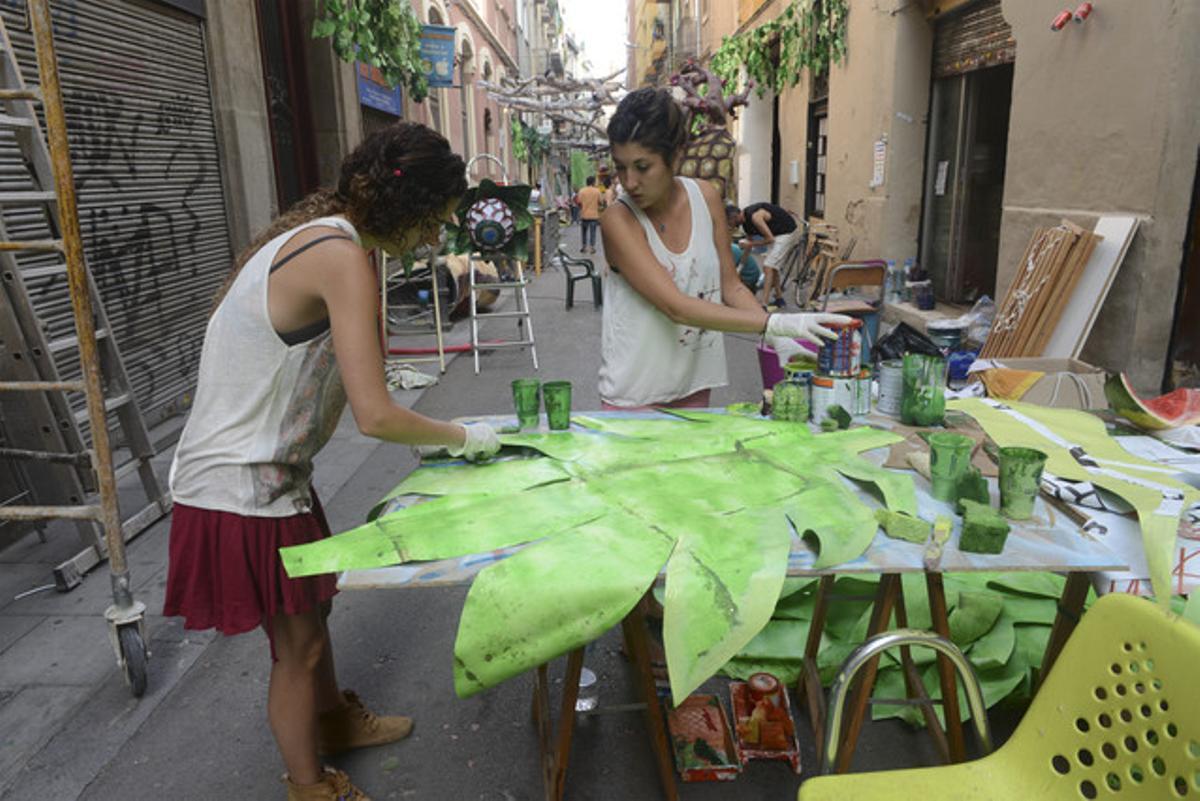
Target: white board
[(1079, 316)]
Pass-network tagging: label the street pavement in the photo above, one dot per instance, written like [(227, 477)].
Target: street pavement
[(69, 727)]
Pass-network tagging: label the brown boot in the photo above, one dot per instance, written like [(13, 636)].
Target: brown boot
[(335, 786), (355, 726)]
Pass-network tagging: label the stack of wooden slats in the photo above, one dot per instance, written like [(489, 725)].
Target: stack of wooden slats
[(1048, 272)]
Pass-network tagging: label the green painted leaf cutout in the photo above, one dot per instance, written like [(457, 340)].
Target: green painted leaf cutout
[(528, 609), (720, 593), (363, 547)]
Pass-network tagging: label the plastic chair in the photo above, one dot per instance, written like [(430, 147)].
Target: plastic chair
[(577, 269), (872, 272), (1118, 716)]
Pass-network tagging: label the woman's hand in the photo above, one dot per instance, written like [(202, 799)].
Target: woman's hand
[(809, 327), (479, 442)]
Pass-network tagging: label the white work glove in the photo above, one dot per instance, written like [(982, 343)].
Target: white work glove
[(480, 442), (809, 327), (785, 348)]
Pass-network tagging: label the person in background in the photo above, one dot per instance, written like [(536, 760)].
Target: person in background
[(293, 337), (743, 258), (535, 198), (611, 190), (774, 226), (671, 287), (589, 199)]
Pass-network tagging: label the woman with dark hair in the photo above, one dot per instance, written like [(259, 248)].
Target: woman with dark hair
[(293, 337), (672, 287)]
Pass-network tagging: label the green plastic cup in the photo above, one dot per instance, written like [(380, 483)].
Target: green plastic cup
[(923, 402), (526, 401), (1020, 481), (949, 458), (557, 397), (789, 401)]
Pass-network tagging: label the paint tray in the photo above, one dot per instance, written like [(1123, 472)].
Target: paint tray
[(763, 723), (702, 740)]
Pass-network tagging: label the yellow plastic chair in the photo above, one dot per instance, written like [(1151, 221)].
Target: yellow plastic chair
[(1117, 717)]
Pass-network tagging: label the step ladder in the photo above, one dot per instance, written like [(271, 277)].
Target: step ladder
[(57, 392), (521, 315)]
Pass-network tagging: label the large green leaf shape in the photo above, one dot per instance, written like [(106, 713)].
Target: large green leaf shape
[(525, 606), (710, 496), (721, 591)]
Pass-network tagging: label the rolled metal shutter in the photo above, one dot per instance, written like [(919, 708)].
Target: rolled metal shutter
[(148, 176), (971, 39)]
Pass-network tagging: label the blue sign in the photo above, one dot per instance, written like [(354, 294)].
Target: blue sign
[(437, 54), (373, 90)]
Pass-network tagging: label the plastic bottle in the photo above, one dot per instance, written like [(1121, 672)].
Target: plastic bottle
[(910, 266), (892, 283), (589, 696)]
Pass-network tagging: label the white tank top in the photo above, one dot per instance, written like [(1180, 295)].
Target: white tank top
[(645, 357), (263, 408)]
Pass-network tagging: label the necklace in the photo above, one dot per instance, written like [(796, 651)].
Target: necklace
[(662, 226)]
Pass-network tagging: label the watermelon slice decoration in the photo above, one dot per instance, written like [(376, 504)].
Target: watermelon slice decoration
[(1175, 409)]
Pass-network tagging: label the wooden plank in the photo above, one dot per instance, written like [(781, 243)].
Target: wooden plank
[(1071, 333), (1063, 289)]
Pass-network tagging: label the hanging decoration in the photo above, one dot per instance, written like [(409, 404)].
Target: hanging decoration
[(707, 497), (493, 220), (808, 34), (710, 148), (575, 107), (381, 33)]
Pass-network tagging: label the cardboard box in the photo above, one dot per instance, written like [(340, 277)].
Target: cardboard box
[(1067, 383)]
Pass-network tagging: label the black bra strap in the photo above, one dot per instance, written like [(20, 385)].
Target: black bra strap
[(305, 247)]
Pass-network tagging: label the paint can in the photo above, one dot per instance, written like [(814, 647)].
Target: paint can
[(842, 356), (891, 387), (852, 393)]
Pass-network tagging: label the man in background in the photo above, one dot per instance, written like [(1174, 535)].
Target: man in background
[(589, 199), (774, 226)]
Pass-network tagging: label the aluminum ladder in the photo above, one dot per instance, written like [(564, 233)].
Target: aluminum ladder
[(47, 431), (522, 314)]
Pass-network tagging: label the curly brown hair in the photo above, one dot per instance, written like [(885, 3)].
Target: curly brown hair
[(399, 178)]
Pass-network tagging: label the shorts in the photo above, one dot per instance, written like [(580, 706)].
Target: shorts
[(779, 249), (224, 570)]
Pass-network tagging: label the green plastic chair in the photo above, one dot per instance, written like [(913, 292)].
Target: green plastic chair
[(1117, 717)]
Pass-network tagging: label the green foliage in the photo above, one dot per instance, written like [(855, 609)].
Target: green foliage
[(809, 34), (527, 144), (382, 33), (581, 168)]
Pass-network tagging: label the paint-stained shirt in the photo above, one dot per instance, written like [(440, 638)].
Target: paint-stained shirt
[(647, 358), (263, 408)]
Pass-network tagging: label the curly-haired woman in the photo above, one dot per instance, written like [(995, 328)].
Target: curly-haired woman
[(672, 286), (293, 337)]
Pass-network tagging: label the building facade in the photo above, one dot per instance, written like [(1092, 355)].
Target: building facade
[(954, 128)]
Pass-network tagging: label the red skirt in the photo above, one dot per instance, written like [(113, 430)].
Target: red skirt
[(225, 572)]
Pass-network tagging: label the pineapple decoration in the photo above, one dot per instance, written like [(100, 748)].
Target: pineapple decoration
[(493, 220), (709, 151)]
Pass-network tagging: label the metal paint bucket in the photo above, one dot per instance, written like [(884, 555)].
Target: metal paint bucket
[(842, 356), (851, 393), (891, 387)]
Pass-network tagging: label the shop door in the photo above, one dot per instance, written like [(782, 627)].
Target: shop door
[(964, 182), (973, 55), (282, 39), (1184, 369)]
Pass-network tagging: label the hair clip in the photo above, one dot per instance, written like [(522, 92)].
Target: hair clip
[(399, 173)]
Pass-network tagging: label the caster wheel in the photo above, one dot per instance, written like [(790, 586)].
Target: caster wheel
[(133, 653)]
